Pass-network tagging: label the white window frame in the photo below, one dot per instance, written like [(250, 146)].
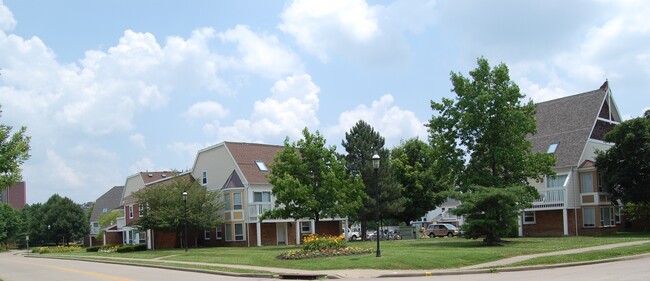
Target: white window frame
[(242, 235), (206, 234), (104, 210), (204, 178), (302, 227), (617, 215), (140, 211), (612, 220), (582, 182), (549, 180), (592, 217), (261, 165), (218, 234), (528, 215), (237, 205), (130, 211), (226, 199), (262, 194)]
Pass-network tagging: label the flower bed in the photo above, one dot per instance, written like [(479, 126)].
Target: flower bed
[(315, 246), (57, 249)]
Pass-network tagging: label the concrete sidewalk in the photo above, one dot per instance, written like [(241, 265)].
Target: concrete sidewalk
[(355, 273)]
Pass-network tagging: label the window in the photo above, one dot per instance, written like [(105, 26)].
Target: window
[(588, 217), (236, 198), (228, 232), (104, 210), (617, 214), (206, 234), (529, 217), (95, 224), (142, 237), (305, 226), (261, 165), (556, 181), (219, 235), (262, 197), (586, 183), (607, 216), (239, 232), (552, 148), (226, 199), (601, 183), (204, 177), (130, 211), (140, 211)]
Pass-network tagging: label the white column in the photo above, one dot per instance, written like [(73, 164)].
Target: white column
[(148, 237), (521, 225), (258, 228), (565, 221), (297, 233), (313, 226)]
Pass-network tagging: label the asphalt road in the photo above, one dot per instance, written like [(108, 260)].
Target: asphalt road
[(19, 268)]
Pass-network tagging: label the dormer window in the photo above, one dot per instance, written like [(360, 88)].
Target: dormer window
[(261, 165), (552, 147)]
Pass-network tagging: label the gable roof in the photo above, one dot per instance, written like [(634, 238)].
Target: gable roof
[(568, 121), (245, 155), (110, 200)]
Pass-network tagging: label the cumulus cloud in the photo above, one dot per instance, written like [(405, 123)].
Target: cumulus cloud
[(7, 21), (291, 107), (206, 109), (392, 122), (138, 140), (144, 164), (261, 54), (372, 34), (64, 172)]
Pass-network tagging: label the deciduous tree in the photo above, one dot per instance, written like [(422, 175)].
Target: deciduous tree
[(163, 206), (14, 151), (423, 188), (311, 181), (481, 137), (626, 165), (9, 223), (66, 219)]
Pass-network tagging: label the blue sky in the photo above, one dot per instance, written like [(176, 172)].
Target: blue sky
[(111, 88)]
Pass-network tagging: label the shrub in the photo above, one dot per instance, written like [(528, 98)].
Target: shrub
[(131, 248), (93, 249)]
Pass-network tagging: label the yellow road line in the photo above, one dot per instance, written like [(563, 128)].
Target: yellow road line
[(106, 276)]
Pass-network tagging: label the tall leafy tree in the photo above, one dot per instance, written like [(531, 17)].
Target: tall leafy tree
[(360, 144), (626, 165), (310, 181), (106, 220), (66, 219), (14, 151), (481, 137), (424, 189), (34, 224), (164, 206), (9, 223)]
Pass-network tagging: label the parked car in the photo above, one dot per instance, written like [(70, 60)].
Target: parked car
[(441, 230), (352, 235)]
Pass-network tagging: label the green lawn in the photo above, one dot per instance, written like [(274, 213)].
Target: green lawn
[(587, 256), (438, 253)]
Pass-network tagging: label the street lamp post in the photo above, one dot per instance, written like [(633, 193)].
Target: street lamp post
[(48, 235), (375, 164), (185, 220)]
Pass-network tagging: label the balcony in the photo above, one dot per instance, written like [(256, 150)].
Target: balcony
[(550, 198), (255, 210)]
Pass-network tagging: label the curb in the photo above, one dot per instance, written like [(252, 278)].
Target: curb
[(213, 272), (510, 269)]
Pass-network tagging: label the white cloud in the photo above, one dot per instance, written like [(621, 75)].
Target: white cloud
[(7, 21), (144, 164), (138, 140), (261, 54), (63, 171), (392, 122), (291, 107), (372, 34), (206, 109)]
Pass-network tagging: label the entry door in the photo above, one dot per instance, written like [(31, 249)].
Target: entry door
[(281, 228)]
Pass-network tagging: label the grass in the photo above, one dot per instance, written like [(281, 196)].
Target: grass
[(438, 253), (587, 256)]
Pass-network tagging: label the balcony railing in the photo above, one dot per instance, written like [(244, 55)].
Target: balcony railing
[(550, 198), (255, 210)]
